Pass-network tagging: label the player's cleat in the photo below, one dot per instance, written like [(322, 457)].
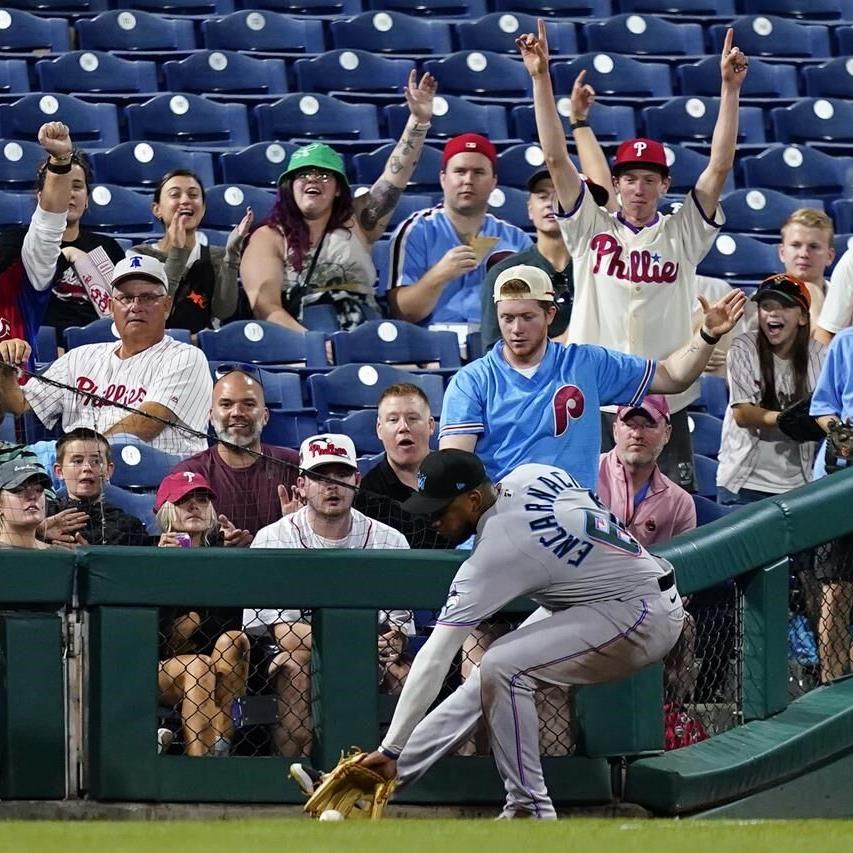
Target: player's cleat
[(306, 777)]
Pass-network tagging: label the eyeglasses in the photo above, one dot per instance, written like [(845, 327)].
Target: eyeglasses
[(252, 370), (144, 300), (320, 175)]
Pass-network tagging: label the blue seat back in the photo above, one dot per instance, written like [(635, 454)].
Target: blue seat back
[(258, 165), (138, 466), (289, 429), (226, 204), (16, 208), (668, 7), (558, 8), (814, 119), (316, 117), (643, 34), (736, 256), (226, 72), (369, 166), (438, 8), (134, 30), (708, 510), (460, 116), (254, 29), (706, 433), (510, 204), (391, 32), (119, 210), (352, 71), (103, 331), (94, 125), (27, 32), (498, 32), (142, 164), (773, 37), (829, 80), (765, 79), (762, 211), (685, 166), (258, 342), (610, 123), (140, 506), (395, 342), (714, 395), (798, 170), (705, 470), (480, 72), (612, 74), (693, 118), (13, 77), (96, 71), (19, 162), (360, 426)]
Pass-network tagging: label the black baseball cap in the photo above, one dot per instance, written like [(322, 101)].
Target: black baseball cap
[(443, 476), (16, 472), (599, 193), (787, 288)]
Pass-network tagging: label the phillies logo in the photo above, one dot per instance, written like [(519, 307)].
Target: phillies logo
[(639, 148), (326, 449), (640, 266), (568, 405)]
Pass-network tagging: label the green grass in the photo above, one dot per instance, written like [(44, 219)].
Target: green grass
[(419, 836)]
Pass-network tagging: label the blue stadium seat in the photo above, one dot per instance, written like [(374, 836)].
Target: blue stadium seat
[(842, 243), (93, 125), (813, 10), (610, 123), (25, 33), (185, 7), (705, 8), (829, 80), (282, 390), (772, 36), (742, 258), (86, 71), (714, 395), (408, 204), (320, 318), (473, 346), (706, 433), (258, 342), (140, 506), (612, 74), (643, 35), (436, 8), (705, 470), (845, 40), (289, 429), (558, 8), (7, 429), (118, 210), (395, 342), (188, 120), (226, 72), (685, 166), (263, 31), (226, 204), (258, 165), (19, 161), (135, 31), (14, 79), (510, 203), (392, 32), (455, 115), (498, 32), (358, 386), (842, 213), (798, 170), (360, 426), (482, 73), (45, 350), (708, 510), (381, 254), (813, 120), (316, 117), (305, 7), (138, 466), (352, 71), (692, 118), (142, 164), (16, 208), (102, 331), (370, 165), (765, 79), (762, 211), (518, 162)]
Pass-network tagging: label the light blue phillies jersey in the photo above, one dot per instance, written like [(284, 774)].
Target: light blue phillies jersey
[(553, 417)]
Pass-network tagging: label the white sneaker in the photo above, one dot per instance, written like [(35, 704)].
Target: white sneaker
[(164, 740), (221, 747)]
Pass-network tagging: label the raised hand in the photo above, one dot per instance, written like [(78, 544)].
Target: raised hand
[(176, 233), (62, 528), (290, 501), (233, 537), (733, 62), (237, 237), (722, 316), (456, 262), (55, 138), (582, 98), (534, 50), (420, 96), (14, 352)]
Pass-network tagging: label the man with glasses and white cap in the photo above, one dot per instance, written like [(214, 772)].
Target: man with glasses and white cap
[(148, 384)]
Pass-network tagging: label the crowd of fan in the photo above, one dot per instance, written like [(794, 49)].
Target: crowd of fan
[(453, 263)]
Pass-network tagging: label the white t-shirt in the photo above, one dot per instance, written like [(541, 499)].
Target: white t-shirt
[(170, 373), (837, 311), (635, 288), (294, 531)]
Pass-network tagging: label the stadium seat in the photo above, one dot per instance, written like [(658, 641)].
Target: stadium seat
[(480, 73), (188, 120), (94, 125), (358, 386), (118, 210), (226, 72), (22, 32), (714, 395), (643, 35), (316, 117), (396, 342), (762, 211), (185, 7), (736, 256), (138, 466), (497, 32), (370, 165), (814, 119), (16, 208), (436, 8), (352, 71), (360, 426), (135, 31), (454, 115), (7, 429), (19, 162), (103, 331), (86, 71), (844, 35), (289, 429), (706, 432), (689, 119), (258, 342), (518, 162), (765, 79), (365, 464), (408, 204), (708, 510), (45, 350), (813, 10), (842, 243), (610, 123), (392, 32), (510, 203), (831, 79), (685, 166), (13, 77), (798, 170), (263, 31), (705, 470), (226, 204), (282, 390), (142, 164), (612, 74), (772, 36), (842, 213), (258, 165), (558, 8), (305, 7), (705, 8)]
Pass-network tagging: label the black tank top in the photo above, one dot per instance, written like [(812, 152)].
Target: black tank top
[(193, 300)]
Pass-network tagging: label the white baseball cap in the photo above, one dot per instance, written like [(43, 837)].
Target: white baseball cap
[(139, 266), (540, 286), (327, 449)]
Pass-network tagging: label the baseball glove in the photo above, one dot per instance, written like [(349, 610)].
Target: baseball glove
[(796, 422), (839, 446), (349, 783)]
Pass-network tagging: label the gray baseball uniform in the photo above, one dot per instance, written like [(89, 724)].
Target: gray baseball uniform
[(607, 609)]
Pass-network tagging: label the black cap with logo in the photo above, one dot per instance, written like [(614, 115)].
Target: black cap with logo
[(443, 476)]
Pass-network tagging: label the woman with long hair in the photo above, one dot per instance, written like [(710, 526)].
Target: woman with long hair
[(204, 654), (22, 509), (314, 247)]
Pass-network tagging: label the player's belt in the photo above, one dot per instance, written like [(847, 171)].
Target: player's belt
[(666, 581)]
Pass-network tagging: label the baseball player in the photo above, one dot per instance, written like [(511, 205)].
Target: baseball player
[(635, 269), (607, 608)]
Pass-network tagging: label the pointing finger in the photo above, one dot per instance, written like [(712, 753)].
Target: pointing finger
[(580, 78), (729, 40)]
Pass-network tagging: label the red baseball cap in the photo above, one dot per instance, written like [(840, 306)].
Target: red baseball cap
[(790, 289), (467, 143), (654, 407), (178, 484), (645, 153)]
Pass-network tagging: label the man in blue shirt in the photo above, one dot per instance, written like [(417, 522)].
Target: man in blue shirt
[(531, 400), (440, 256)]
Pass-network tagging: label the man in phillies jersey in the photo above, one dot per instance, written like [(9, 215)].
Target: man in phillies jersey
[(635, 270), (532, 400)]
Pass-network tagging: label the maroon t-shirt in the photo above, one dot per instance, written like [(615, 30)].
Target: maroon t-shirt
[(248, 496)]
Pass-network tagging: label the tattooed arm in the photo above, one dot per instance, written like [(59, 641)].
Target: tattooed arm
[(375, 207)]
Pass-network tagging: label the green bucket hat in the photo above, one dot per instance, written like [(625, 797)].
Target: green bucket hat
[(318, 155)]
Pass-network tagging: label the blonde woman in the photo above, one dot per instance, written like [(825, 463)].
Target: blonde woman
[(22, 485)]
